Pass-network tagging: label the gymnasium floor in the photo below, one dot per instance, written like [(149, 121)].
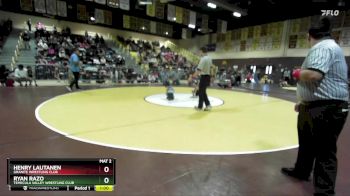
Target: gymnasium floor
[(236, 159)]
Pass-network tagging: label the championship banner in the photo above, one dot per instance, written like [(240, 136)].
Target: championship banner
[(262, 43), (223, 37), (270, 29), (124, 4), (249, 45), (276, 43), (126, 22), (113, 3), (212, 38), (39, 6), (345, 37), (193, 17), (51, 7), (337, 21), (160, 10), (134, 23), (108, 17), (263, 31), (151, 9), (218, 37), (295, 26), (27, 5), (205, 21), (184, 33), (243, 45), (244, 33), (233, 34), (256, 42), (293, 41), (268, 43), (219, 46), (171, 12), (236, 44), (273, 30), (227, 46), (228, 37), (103, 2), (250, 32), (279, 29), (236, 34), (304, 24), (257, 31), (185, 16), (224, 26), (153, 27), (179, 14), (346, 22), (99, 16), (81, 12), (61, 8), (302, 41)]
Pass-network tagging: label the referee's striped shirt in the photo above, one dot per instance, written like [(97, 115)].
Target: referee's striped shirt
[(327, 58)]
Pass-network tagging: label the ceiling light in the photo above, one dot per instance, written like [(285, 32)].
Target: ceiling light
[(192, 26), (166, 33), (211, 5), (92, 18), (199, 29), (237, 14), (143, 28), (145, 2)]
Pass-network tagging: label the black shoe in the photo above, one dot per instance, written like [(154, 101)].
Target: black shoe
[(292, 173)]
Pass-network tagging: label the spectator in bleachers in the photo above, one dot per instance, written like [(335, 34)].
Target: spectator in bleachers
[(62, 53), (26, 39), (31, 76), (29, 24), (42, 47), (3, 75), (21, 75), (86, 35)]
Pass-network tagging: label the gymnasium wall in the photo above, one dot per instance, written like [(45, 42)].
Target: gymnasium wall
[(283, 55), (224, 51)]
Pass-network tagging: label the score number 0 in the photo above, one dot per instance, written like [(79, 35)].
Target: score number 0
[(106, 170)]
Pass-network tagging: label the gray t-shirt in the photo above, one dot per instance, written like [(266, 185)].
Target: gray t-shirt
[(204, 65)]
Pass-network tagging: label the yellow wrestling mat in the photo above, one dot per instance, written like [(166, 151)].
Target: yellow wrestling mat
[(121, 118)]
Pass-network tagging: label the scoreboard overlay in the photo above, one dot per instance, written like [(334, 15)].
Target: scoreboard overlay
[(88, 174)]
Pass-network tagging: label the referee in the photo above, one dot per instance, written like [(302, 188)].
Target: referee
[(323, 94), (203, 70)]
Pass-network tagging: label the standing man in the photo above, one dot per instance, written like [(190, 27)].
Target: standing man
[(29, 23), (323, 108), (203, 70), (26, 39), (74, 64)]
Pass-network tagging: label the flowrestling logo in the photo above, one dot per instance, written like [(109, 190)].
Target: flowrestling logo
[(330, 12)]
